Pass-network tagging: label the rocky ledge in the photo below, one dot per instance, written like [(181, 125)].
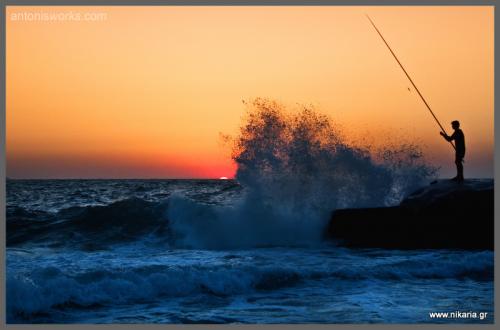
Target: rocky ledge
[(445, 214)]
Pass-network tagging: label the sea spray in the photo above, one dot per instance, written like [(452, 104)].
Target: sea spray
[(296, 167)]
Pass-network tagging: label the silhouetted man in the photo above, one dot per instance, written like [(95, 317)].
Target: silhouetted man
[(458, 137)]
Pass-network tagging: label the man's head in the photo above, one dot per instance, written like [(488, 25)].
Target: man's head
[(455, 124)]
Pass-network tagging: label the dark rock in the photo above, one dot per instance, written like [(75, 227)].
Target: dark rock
[(443, 215)]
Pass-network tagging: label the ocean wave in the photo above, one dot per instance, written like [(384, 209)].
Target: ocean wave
[(125, 220), (47, 288), (293, 170), (296, 168)]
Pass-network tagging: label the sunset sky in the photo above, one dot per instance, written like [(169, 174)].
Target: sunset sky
[(145, 92)]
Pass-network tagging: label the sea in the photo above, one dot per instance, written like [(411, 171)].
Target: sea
[(203, 251)]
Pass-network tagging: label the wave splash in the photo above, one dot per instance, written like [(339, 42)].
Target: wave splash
[(296, 168)]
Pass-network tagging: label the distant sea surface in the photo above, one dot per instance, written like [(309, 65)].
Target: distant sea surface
[(175, 251)]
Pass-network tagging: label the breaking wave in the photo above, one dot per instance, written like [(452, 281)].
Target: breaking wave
[(296, 168), (50, 288), (293, 169)]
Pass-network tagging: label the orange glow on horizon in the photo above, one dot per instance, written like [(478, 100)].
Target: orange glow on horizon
[(146, 92)]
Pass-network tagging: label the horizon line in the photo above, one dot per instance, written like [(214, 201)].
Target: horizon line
[(227, 178), (10, 178)]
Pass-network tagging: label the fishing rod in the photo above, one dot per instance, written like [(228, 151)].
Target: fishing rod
[(409, 78)]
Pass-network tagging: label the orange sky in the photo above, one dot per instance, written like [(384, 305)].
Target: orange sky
[(145, 92)]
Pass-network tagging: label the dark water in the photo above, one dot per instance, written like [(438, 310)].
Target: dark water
[(196, 251)]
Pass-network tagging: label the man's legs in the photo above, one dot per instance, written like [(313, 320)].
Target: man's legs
[(460, 168)]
